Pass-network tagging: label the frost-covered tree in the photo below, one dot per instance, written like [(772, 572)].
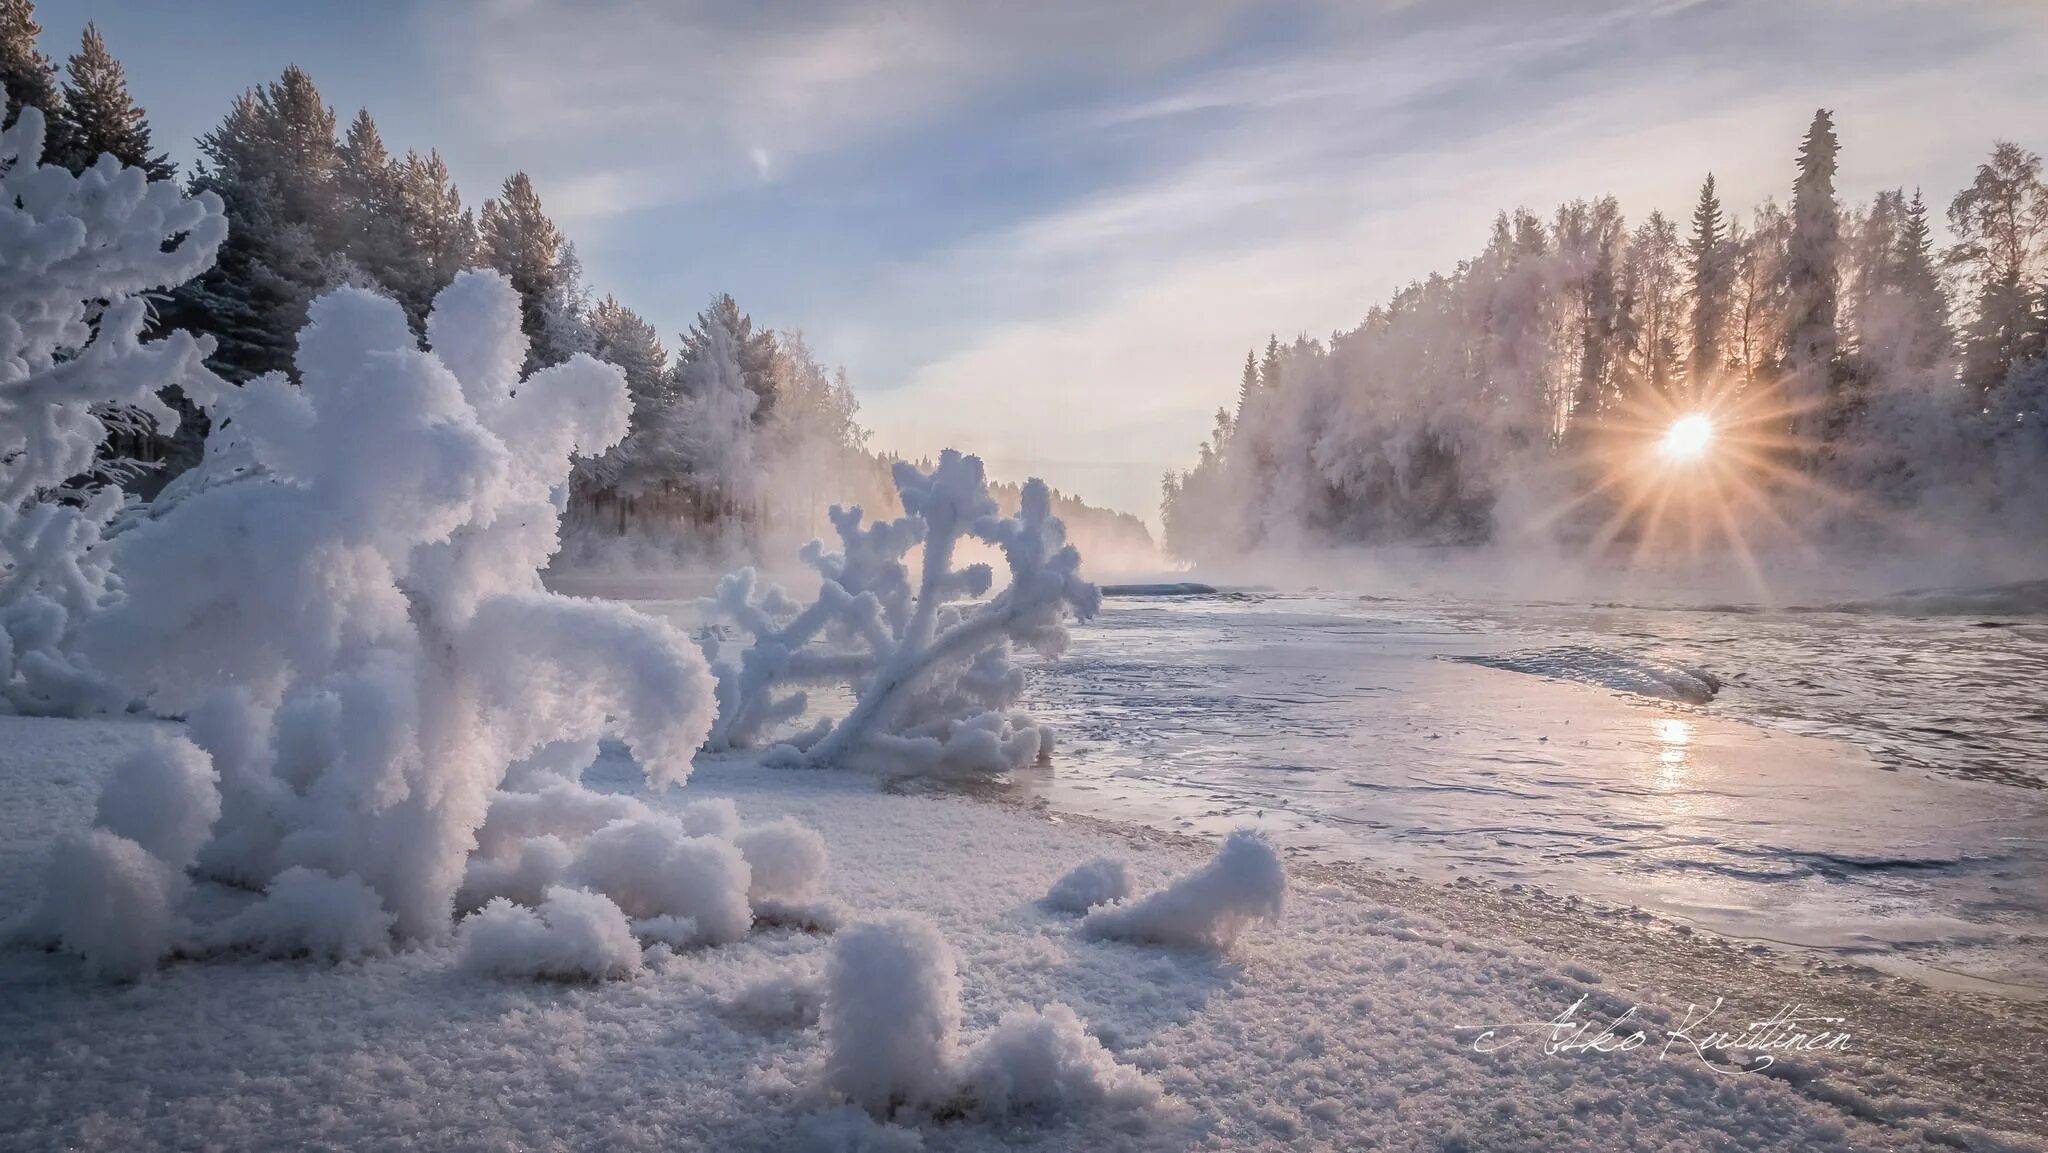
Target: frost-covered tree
[(30, 80), (1712, 278), (932, 677), (753, 349), (642, 462), (273, 162), (2001, 226), (518, 239), (1656, 283), (77, 253), (369, 200), (104, 117), (440, 235), (345, 601), (713, 424), (1813, 279)]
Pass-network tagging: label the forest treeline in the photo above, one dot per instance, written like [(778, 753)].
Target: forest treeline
[(1864, 372), (738, 433)]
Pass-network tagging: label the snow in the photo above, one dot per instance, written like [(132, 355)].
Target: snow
[(1333, 1028), (164, 797), (1095, 883), (106, 899), (1208, 908), (652, 867), (786, 861), (310, 913), (891, 1015), (1045, 1061), (575, 934)]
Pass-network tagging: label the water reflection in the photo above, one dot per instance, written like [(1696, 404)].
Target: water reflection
[(1674, 753)]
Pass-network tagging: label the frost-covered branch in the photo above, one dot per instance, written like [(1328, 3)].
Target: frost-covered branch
[(931, 676), (75, 253)]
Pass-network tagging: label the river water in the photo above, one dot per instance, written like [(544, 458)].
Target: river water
[(1862, 779)]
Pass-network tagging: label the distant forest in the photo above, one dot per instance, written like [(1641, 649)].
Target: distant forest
[(740, 437), (1863, 373)]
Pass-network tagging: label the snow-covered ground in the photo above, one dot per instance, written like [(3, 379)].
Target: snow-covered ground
[(1349, 1025), (1864, 783)]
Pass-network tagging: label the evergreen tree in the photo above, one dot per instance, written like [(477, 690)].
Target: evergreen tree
[(1656, 274), (1926, 298), (1813, 277), (440, 234), (2000, 222), (517, 238), (31, 80), (1247, 384), (753, 350), (1712, 281), (1756, 330), (1269, 368), (273, 163), (370, 201), (104, 118)]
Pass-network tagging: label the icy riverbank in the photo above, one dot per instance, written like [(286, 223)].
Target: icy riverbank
[(1349, 1025)]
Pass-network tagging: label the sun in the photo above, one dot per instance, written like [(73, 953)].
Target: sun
[(1687, 438)]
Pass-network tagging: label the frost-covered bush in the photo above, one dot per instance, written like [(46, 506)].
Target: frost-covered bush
[(1047, 1062), (345, 600), (652, 868), (574, 935), (1209, 907), (76, 253), (892, 1015), (1095, 883), (785, 860), (931, 678)]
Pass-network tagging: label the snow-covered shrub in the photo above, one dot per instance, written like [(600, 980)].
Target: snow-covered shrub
[(892, 1015), (76, 253), (306, 912), (165, 797), (1048, 1062), (931, 678), (1095, 883), (575, 935), (785, 860), (110, 901), (562, 809), (345, 599), (1209, 907), (520, 873), (711, 817), (652, 867)]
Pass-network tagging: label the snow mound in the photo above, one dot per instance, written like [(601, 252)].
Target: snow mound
[(575, 935), (786, 861), (651, 867), (1622, 673), (165, 797), (523, 877), (110, 901), (562, 809), (1096, 883), (892, 1015), (1047, 1062), (711, 817), (1209, 907), (306, 912), (784, 999), (845, 1129)]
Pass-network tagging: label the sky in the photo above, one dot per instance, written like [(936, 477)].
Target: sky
[(1048, 231)]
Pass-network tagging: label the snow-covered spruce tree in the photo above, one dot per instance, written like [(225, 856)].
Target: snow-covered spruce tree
[(344, 599), (76, 253), (931, 677)]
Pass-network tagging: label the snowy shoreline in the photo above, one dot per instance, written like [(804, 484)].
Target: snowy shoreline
[(1338, 1028)]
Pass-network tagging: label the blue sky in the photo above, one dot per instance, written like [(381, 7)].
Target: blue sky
[(1048, 231)]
